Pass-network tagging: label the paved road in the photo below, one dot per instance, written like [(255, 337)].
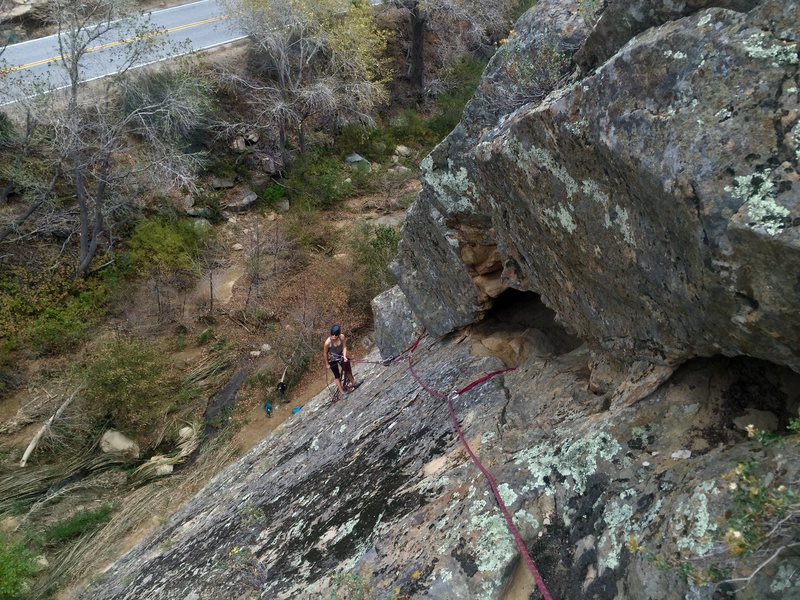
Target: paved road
[(187, 28)]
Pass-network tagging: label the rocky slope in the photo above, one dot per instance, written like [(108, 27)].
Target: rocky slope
[(635, 170), (377, 489)]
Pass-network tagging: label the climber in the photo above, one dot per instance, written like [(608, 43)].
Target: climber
[(268, 408), (334, 351)]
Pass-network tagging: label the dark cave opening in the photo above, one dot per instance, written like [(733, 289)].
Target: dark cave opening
[(519, 313), (745, 391)]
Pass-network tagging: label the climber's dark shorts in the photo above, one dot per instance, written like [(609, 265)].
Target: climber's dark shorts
[(335, 368)]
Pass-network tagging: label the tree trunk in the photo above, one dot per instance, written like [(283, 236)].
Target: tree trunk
[(419, 20), (97, 228), (301, 136)]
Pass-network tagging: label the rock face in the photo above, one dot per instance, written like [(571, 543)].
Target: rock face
[(376, 489), (646, 201), (395, 327)]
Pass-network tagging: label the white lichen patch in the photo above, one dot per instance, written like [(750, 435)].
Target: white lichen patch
[(692, 526), (297, 528), (617, 518), (760, 46), (561, 217), (522, 518), (346, 529), (723, 114), (451, 186), (592, 191), (640, 433), (445, 575), (540, 157), (487, 437), (494, 547), (786, 579), (796, 135), (704, 20), (622, 525), (758, 192), (508, 495), (624, 227), (577, 462), (577, 127)]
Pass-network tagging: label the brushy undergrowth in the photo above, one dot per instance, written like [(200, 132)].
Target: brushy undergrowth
[(78, 524), (49, 314), (17, 567), (132, 384), (165, 244)]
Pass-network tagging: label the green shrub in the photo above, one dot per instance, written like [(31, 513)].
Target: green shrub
[(319, 181), (7, 130), (17, 567), (410, 128), (55, 316), (78, 524), (373, 250), (57, 330), (376, 144), (133, 386), (205, 336), (165, 244), (270, 195)]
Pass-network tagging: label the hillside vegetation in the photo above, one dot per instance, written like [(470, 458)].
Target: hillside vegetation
[(174, 241)]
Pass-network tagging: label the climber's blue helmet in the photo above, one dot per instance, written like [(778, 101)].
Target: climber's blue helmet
[(336, 330)]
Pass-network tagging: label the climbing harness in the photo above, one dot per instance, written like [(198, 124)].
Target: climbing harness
[(448, 399)]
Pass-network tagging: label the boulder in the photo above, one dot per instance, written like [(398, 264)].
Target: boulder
[(378, 486), (200, 212), (221, 183), (239, 144), (403, 151), (16, 9), (282, 205), (395, 326), (202, 225), (760, 420), (163, 470), (237, 247), (400, 170), (664, 184), (41, 563), (243, 204), (114, 442), (624, 19), (358, 161)]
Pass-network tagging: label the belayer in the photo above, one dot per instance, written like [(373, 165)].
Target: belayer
[(334, 352)]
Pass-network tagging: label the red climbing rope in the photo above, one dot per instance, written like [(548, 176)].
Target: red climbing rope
[(476, 461)]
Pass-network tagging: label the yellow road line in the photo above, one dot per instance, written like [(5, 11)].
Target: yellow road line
[(44, 61)]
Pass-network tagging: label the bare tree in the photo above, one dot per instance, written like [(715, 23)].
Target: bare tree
[(458, 24), (317, 59), (91, 130)]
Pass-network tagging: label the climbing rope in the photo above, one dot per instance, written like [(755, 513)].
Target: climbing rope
[(476, 461)]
